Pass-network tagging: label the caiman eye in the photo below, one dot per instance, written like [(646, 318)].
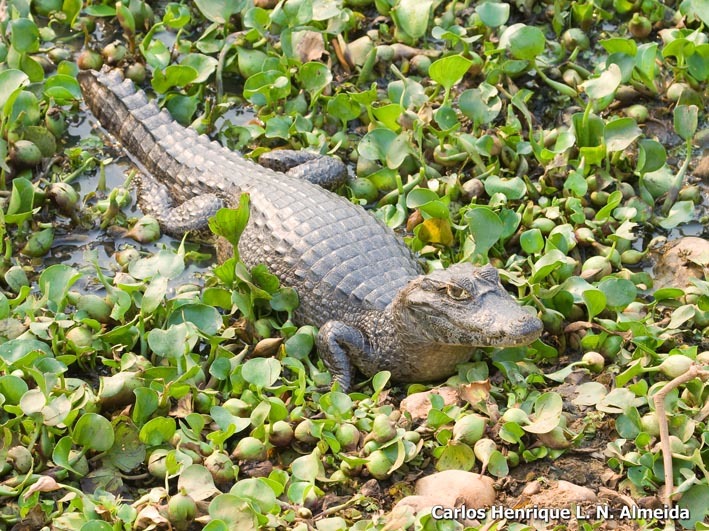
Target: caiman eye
[(457, 293)]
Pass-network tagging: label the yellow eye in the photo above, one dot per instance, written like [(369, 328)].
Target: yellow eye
[(457, 293)]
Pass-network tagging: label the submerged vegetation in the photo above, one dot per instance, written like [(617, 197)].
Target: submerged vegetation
[(563, 141)]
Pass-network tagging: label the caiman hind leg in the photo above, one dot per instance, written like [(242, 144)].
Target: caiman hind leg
[(327, 172), (337, 344), (191, 216)]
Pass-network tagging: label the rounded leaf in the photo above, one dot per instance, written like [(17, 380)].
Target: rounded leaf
[(523, 42), (261, 372), (93, 431)]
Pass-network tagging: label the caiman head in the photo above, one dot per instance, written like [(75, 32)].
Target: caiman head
[(463, 305)]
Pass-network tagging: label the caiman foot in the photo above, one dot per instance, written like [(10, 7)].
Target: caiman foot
[(327, 172), (191, 216), (337, 344)]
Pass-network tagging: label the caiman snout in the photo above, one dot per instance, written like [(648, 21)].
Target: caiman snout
[(504, 323), (521, 331)]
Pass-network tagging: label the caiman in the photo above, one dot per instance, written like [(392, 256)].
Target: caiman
[(356, 280)]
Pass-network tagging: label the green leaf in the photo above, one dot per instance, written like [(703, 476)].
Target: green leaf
[(532, 241), (199, 483), (523, 42), (154, 295), (411, 18), (314, 77), (257, 492), (125, 18), (284, 300), (620, 45), (226, 421), (12, 389), (547, 413), (497, 465), (695, 499), (176, 15), (261, 372), (543, 267), (492, 14), (219, 11), (146, 403), (380, 380), (449, 70), (613, 201), (595, 301), (446, 117), (620, 133), (157, 431), (129, 452), (376, 143), (343, 107), (420, 196), (668, 293), (55, 282), (308, 467), (399, 149), (231, 222), (10, 81), (646, 64), (681, 212), (698, 63), (651, 156), (71, 9), (681, 315), (588, 129), (100, 11), (604, 85), (686, 120), (229, 512), (456, 456), (407, 93), (25, 35), (700, 9), (93, 432), (485, 227), (204, 65), (32, 68), (619, 400), (267, 87), (279, 127), (481, 104), (19, 208), (513, 188), (173, 76), (619, 292), (156, 54), (170, 343), (182, 108), (60, 454)]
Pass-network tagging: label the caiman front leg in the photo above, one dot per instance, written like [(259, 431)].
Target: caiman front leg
[(337, 344), (191, 216), (326, 172)]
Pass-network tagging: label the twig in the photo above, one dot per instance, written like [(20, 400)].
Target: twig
[(337, 508), (659, 400)]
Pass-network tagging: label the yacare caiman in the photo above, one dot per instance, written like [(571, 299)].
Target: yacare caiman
[(356, 280)]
